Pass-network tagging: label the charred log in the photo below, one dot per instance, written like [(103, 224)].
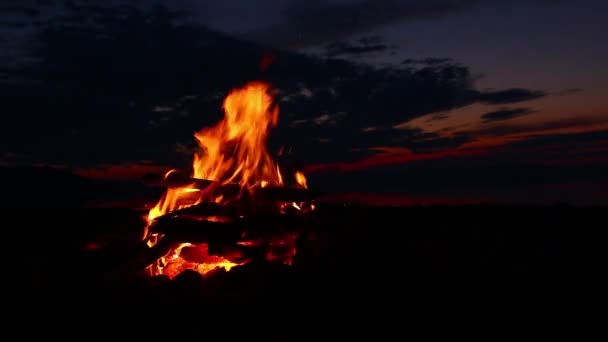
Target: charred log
[(284, 194), (204, 211), (180, 230), (142, 258), (235, 253)]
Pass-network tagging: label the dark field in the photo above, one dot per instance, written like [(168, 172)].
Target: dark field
[(431, 272)]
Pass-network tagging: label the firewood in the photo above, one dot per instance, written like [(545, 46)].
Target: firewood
[(232, 252), (205, 210), (143, 257), (273, 193), (180, 229), (185, 230)]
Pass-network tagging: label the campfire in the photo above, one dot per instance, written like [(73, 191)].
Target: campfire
[(237, 206)]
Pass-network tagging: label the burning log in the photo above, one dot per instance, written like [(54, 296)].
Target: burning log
[(236, 253), (198, 216), (143, 257), (177, 180), (274, 193), (184, 228), (206, 211), (180, 229)]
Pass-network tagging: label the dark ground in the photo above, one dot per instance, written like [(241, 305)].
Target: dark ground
[(430, 272)]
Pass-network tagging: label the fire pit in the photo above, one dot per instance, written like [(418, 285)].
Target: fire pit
[(237, 206)]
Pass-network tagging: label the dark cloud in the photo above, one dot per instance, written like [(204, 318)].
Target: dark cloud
[(438, 117), (120, 84), (505, 114), (576, 123), (337, 49), (363, 46), (319, 21), (567, 150), (568, 91), (428, 60), (307, 23), (510, 96), (523, 170), (569, 139), (19, 9), (500, 182), (12, 25), (128, 92)]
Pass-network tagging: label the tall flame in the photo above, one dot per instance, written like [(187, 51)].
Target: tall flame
[(233, 151)]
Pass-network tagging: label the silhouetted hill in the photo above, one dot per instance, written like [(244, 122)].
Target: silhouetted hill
[(444, 271), (42, 187), (46, 187)]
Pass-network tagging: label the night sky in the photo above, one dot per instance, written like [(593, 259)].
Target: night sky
[(497, 100)]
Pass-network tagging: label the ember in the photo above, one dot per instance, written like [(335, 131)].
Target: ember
[(189, 256), (239, 202)]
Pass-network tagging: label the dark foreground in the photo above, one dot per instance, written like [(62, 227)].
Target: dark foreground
[(429, 272)]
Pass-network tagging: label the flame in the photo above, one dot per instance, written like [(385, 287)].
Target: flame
[(189, 256), (301, 179), (249, 115), (231, 152)]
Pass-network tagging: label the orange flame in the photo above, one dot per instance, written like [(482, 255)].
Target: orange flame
[(233, 151), (249, 115), (301, 180)]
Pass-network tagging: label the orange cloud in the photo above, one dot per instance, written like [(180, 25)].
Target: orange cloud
[(391, 157)]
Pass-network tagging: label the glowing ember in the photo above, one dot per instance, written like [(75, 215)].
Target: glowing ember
[(188, 256), (233, 152), (282, 249)]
